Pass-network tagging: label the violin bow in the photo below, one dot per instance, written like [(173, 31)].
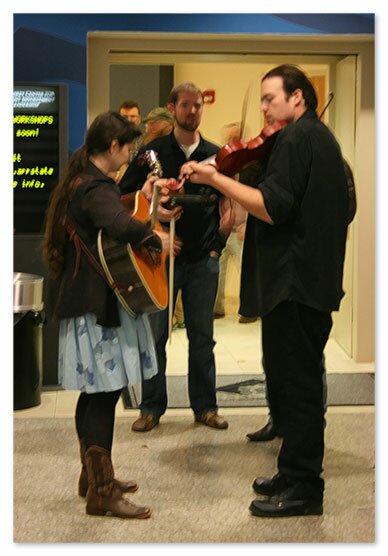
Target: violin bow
[(171, 279), (244, 109), (330, 98)]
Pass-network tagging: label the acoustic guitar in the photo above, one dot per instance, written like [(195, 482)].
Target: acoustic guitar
[(137, 275)]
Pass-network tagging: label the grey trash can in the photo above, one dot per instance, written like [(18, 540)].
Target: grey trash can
[(28, 339)]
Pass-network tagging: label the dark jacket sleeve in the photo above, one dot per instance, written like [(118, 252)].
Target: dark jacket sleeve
[(101, 203)]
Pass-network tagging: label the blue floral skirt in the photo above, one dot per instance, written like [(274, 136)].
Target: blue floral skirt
[(93, 358)]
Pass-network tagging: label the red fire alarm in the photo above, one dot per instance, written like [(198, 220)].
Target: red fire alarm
[(209, 96)]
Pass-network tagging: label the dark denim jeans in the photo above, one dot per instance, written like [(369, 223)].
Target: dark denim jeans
[(198, 282)]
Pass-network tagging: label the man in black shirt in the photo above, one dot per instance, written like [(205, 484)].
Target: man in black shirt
[(299, 243), (196, 268)]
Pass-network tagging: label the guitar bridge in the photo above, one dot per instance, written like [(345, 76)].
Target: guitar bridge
[(131, 287)]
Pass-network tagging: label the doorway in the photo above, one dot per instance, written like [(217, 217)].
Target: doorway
[(230, 66)]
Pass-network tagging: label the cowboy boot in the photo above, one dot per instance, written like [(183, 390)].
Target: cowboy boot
[(124, 486), (103, 495)]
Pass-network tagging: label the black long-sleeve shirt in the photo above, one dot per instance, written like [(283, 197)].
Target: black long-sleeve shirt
[(198, 226), (300, 257)]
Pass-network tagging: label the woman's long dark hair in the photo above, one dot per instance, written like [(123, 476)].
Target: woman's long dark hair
[(104, 129)]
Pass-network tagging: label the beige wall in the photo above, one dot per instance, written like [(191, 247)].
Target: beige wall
[(177, 48), (235, 84)]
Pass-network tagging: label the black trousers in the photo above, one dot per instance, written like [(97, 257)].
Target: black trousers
[(294, 337)]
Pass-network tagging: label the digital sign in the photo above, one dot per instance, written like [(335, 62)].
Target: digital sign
[(40, 151)]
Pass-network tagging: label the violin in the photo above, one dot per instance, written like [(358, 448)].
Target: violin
[(236, 155)]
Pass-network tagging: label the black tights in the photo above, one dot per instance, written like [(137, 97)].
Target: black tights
[(94, 418)]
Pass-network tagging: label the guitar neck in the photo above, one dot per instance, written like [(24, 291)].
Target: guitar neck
[(156, 170), (154, 207)]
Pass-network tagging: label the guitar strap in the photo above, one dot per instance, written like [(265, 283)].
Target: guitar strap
[(80, 245)]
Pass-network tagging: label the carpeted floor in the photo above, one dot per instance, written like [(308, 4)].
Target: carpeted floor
[(197, 480)]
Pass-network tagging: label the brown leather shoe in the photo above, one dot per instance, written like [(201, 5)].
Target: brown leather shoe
[(246, 320), (219, 315), (212, 419), (145, 422)]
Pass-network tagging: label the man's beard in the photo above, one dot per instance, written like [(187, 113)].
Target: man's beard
[(188, 126)]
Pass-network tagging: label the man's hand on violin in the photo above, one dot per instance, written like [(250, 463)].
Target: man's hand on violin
[(197, 173)]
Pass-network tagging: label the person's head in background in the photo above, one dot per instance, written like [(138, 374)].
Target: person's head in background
[(231, 132), (158, 122), (131, 110)]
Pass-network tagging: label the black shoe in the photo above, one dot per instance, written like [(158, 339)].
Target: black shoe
[(270, 487), (263, 435), (278, 508), (302, 497)]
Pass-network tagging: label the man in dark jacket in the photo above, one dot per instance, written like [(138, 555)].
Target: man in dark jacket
[(301, 211), (196, 268)]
